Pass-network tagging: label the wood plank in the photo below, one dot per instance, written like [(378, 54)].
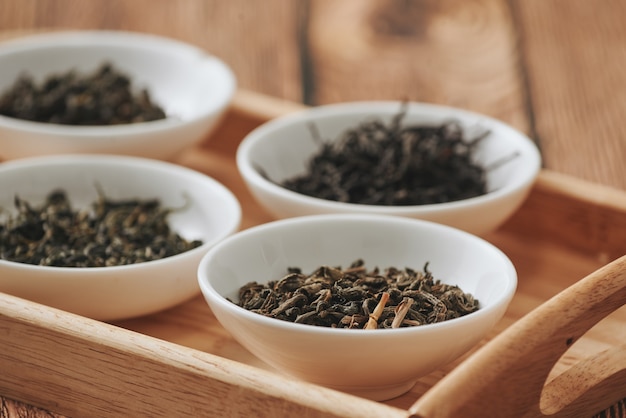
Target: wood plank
[(575, 56), (257, 39), (454, 52)]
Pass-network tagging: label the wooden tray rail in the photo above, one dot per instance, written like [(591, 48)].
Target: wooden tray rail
[(545, 358), (506, 377)]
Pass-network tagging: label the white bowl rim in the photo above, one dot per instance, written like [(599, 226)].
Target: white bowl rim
[(373, 108), (209, 291), (23, 163), (125, 39)]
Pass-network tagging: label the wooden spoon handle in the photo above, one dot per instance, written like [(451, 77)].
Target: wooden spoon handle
[(506, 377)]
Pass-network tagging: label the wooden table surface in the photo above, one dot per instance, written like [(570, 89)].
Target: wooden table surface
[(551, 68)]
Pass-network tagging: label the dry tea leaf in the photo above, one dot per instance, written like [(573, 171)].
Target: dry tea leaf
[(358, 298), (111, 233), (104, 97), (378, 164)]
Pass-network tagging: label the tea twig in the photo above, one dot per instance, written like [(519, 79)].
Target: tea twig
[(401, 311), (372, 323)]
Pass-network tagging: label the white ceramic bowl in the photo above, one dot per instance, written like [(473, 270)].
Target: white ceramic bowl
[(377, 364), (210, 212), (282, 148), (193, 88)]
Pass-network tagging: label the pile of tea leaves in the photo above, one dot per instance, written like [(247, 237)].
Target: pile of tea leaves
[(391, 164), (110, 233), (104, 97), (358, 298)]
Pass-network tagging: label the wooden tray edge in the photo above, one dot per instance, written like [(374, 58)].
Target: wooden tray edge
[(77, 366)]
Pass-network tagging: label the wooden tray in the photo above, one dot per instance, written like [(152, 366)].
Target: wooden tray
[(181, 362)]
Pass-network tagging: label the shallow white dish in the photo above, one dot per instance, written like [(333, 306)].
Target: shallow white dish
[(209, 212), (377, 364), (283, 146), (193, 88)]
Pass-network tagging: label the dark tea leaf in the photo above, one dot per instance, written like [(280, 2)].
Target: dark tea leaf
[(112, 233), (378, 164), (104, 97), (358, 298)]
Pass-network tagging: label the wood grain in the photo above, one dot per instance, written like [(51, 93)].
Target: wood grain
[(458, 53), (597, 228), (551, 68), (575, 52), (259, 40), (92, 369)]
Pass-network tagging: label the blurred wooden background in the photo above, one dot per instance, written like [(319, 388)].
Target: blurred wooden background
[(555, 69), (552, 68)]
